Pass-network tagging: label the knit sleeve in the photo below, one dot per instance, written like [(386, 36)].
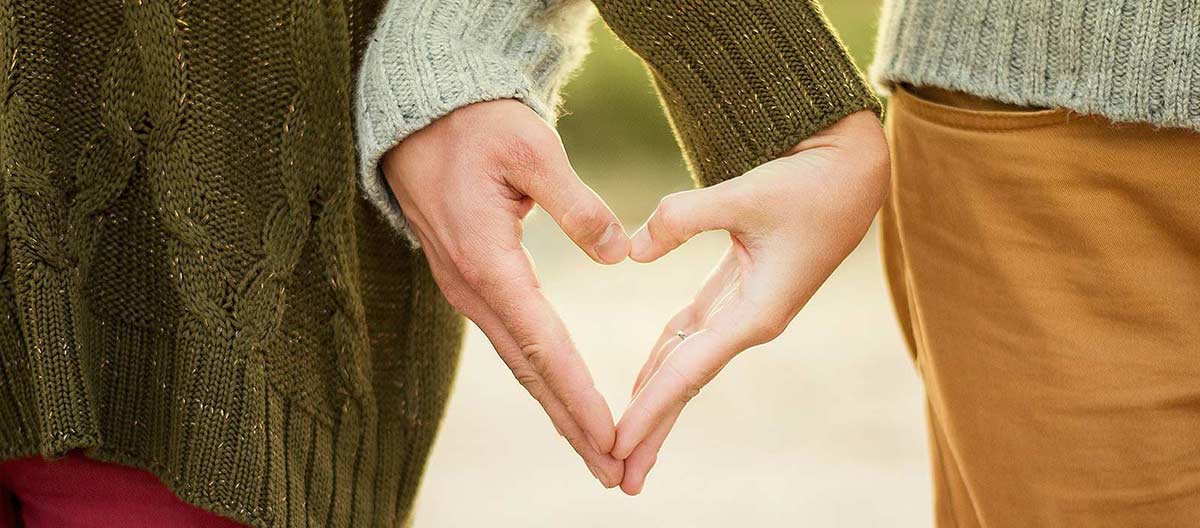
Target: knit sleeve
[(743, 81), (428, 58)]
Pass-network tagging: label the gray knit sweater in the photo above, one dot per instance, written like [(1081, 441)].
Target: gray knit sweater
[(429, 57), (1127, 60)]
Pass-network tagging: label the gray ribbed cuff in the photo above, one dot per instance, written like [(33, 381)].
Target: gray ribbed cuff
[(428, 58), (1130, 61)]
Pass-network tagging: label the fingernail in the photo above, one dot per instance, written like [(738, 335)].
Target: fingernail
[(613, 247), (595, 472), (640, 241)]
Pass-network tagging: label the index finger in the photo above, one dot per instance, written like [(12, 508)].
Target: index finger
[(679, 378), (510, 289), (603, 466)]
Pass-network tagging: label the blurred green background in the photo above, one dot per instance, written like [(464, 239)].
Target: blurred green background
[(614, 128), (822, 427)]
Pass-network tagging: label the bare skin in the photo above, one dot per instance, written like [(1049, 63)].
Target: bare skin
[(465, 184), (791, 222), (467, 181)]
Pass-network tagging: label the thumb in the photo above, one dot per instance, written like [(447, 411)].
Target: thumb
[(681, 216), (576, 208)]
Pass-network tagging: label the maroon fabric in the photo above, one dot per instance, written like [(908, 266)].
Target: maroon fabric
[(78, 492)]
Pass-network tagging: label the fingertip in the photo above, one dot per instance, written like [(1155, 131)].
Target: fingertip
[(612, 472), (602, 442), (632, 489), (623, 446), (614, 245), (637, 468), (620, 452), (591, 412), (613, 482), (633, 483), (642, 246)]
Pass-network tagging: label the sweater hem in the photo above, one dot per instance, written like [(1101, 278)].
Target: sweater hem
[(174, 480), (1132, 64), (121, 457)]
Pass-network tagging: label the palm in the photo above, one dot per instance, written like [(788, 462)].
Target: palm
[(721, 298), (465, 183), (791, 221)]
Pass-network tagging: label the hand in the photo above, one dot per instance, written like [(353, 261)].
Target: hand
[(791, 222), (465, 184)]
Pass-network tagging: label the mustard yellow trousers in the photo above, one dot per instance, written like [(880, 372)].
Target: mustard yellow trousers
[(1045, 267)]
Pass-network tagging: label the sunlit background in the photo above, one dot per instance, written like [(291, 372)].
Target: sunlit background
[(823, 427)]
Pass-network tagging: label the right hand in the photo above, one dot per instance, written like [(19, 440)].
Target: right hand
[(465, 183)]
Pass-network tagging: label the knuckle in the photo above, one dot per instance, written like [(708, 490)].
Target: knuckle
[(475, 271), (668, 215), (456, 297), (528, 379), (517, 154), (525, 149), (746, 198), (767, 329), (642, 410), (685, 316), (690, 388), (586, 220), (472, 274), (536, 354)]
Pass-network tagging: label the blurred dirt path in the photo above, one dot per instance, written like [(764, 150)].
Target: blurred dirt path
[(823, 427)]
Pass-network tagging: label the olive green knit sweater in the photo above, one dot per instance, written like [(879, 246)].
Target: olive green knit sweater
[(190, 282)]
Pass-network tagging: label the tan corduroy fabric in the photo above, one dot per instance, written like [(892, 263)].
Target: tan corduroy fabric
[(1046, 270)]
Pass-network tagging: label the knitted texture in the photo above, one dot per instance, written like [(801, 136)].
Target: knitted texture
[(190, 282), (1127, 60), (463, 52), (743, 82)]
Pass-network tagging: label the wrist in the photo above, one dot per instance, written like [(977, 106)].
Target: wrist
[(861, 157)]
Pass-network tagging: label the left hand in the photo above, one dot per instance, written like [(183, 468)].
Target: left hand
[(791, 222)]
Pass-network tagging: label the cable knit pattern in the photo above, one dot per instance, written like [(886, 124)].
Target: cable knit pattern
[(190, 282), (463, 52), (1127, 60)]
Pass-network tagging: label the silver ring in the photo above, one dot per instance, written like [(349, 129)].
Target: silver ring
[(681, 335)]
